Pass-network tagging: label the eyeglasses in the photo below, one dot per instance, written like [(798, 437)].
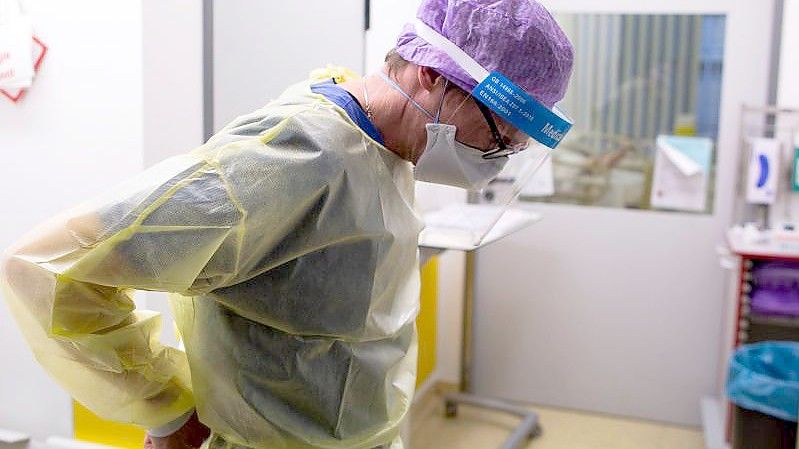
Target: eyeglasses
[(503, 149)]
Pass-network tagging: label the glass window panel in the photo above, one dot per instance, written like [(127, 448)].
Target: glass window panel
[(636, 77)]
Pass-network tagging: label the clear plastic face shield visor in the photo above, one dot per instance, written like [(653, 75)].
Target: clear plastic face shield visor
[(469, 225)]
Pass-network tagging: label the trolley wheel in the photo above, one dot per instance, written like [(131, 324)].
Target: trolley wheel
[(450, 409), (536, 432)]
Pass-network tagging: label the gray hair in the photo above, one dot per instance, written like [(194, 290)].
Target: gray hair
[(395, 62)]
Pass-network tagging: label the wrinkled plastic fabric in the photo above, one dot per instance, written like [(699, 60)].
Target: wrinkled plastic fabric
[(518, 38), (289, 241), (775, 302), (776, 289), (765, 377)]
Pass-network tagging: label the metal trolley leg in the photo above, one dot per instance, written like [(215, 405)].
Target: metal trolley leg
[(528, 429)]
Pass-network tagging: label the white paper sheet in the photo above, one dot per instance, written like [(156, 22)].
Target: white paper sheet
[(680, 180)]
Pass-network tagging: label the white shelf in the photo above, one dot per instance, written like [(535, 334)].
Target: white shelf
[(439, 235), (765, 248)]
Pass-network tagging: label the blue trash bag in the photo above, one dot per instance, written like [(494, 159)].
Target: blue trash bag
[(765, 377)]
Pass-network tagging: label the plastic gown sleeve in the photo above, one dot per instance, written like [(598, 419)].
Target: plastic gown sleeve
[(70, 284)]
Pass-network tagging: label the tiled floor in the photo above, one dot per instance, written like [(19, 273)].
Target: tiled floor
[(476, 429)]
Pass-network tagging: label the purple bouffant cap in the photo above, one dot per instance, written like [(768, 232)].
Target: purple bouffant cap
[(518, 38)]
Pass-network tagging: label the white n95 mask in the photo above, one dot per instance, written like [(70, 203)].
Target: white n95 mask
[(447, 161)]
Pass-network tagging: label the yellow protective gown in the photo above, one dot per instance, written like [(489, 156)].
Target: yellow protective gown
[(290, 242)]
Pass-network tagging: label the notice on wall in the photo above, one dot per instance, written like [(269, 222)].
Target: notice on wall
[(21, 55), (682, 169), (16, 50), (39, 50)]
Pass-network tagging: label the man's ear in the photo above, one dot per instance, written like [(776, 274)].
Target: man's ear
[(428, 78)]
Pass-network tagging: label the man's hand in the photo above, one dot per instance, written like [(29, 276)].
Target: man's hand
[(190, 436)]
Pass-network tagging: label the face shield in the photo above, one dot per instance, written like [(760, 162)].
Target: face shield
[(469, 225)]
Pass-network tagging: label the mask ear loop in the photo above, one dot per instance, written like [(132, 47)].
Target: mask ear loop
[(460, 106), (397, 87), (441, 103)]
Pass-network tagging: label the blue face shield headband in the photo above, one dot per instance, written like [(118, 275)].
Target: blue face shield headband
[(510, 102)]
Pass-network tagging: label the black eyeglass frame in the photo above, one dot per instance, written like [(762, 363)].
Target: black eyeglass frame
[(502, 149)]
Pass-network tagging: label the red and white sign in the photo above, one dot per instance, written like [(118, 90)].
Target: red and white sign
[(16, 64), (39, 50)]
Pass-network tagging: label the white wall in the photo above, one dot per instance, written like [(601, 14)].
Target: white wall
[(173, 77), (256, 59), (387, 19), (789, 62), (76, 132)]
